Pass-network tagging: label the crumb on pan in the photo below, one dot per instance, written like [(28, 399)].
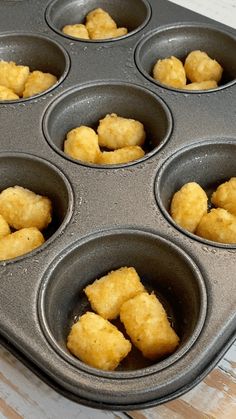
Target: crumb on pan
[(147, 325), (188, 205), (107, 294), (97, 342)]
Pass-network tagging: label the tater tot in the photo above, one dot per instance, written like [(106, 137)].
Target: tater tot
[(82, 143), (225, 196), (37, 82), (107, 294), (203, 85), (7, 94), (99, 19), (200, 67), (13, 76), (4, 227), (97, 342), (218, 225), (78, 30), (20, 242), (188, 205), (116, 132), (147, 325), (107, 33), (23, 208), (122, 155), (170, 71)]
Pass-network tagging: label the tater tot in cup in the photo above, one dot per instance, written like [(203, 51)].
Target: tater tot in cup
[(37, 82), (97, 342), (13, 76), (122, 155), (203, 85), (7, 94), (77, 30), (170, 71), (107, 294), (23, 208), (115, 132), (99, 19), (218, 225), (200, 67), (4, 227), (147, 325), (20, 242), (225, 196), (82, 144), (188, 205)]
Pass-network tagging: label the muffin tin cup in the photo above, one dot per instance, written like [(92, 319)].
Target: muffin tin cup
[(209, 163), (86, 104), (36, 51), (63, 12), (179, 40), (29, 171), (163, 268)]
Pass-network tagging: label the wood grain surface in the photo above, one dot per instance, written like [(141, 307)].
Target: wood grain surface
[(24, 395)]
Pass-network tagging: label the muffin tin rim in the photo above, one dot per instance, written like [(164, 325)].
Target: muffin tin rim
[(165, 213), (181, 25), (153, 369), (96, 41), (46, 37)]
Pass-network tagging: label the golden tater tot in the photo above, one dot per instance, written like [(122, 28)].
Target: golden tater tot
[(116, 132), (23, 208), (107, 294), (146, 323), (97, 342), (203, 85), (7, 94), (107, 33), (4, 227), (100, 25), (170, 71), (20, 242), (82, 143), (78, 30), (200, 67), (225, 196), (13, 76), (38, 82), (188, 205), (99, 19), (122, 155), (218, 225)]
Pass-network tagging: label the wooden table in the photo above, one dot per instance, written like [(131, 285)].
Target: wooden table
[(23, 395)]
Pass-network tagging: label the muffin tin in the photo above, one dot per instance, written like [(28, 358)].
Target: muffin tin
[(111, 216)]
